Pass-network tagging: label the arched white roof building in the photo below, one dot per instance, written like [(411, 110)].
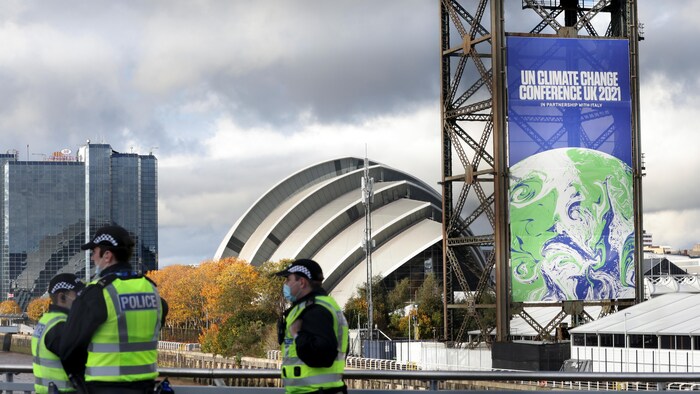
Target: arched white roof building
[(318, 213)]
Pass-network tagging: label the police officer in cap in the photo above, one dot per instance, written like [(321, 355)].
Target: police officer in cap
[(50, 375), (313, 333), (119, 312)]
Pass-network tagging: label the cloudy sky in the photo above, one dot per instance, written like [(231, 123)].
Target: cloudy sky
[(233, 96)]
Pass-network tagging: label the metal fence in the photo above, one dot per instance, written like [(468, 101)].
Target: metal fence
[(381, 381)]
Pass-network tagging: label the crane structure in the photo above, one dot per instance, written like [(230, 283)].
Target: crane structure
[(475, 166)]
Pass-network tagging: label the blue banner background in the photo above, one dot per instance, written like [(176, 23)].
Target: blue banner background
[(539, 125)]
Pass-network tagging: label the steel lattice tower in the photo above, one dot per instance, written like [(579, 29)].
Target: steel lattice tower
[(474, 146)]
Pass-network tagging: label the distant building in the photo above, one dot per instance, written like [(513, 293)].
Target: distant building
[(657, 335), (695, 252), (647, 241), (44, 210), (318, 213)]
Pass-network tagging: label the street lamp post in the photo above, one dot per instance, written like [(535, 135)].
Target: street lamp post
[(627, 350)]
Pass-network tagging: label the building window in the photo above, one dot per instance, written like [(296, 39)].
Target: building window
[(591, 340), (683, 342), (651, 342), (636, 341), (578, 339), (618, 340), (668, 342), (644, 341)]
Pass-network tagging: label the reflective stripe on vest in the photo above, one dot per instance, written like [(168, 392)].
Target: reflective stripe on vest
[(122, 347), (123, 370), (297, 376), (131, 329), (46, 365), (45, 362)]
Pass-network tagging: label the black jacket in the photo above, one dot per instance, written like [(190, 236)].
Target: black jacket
[(317, 345), (74, 365), (86, 315)]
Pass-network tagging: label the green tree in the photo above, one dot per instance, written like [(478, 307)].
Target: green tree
[(356, 309), (429, 300), (397, 299), (243, 334), (399, 295)]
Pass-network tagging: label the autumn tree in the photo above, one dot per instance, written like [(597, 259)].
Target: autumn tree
[(247, 306), (37, 307), (271, 286), (271, 299), (179, 286), (228, 305), (10, 307)]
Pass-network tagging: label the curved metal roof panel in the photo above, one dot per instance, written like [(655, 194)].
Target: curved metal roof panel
[(389, 257), (282, 221), (239, 233), (330, 219), (345, 251)]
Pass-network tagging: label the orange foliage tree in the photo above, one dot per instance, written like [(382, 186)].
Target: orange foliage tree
[(177, 284), (10, 307), (239, 320), (37, 307), (232, 305)]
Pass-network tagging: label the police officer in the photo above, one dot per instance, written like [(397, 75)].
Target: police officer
[(48, 369), (119, 312), (313, 333)]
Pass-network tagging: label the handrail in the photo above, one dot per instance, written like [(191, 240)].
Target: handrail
[(661, 377)]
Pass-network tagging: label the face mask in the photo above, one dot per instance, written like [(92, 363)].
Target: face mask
[(287, 291), (69, 301)]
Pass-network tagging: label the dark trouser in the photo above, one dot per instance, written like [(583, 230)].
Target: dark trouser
[(118, 389), (333, 390)]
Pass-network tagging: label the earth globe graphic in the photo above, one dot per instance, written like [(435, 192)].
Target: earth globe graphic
[(572, 226)]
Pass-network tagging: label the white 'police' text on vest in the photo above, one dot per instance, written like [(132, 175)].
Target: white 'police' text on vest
[(138, 301)]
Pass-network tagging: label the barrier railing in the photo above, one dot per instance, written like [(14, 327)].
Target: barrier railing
[(360, 362), (188, 347), (406, 380)]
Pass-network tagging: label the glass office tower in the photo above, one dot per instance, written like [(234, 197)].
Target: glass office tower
[(48, 206)]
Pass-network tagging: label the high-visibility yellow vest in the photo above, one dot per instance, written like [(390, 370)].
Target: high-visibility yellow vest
[(125, 347), (46, 365), (299, 377)]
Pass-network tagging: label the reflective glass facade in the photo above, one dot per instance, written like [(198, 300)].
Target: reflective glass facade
[(45, 205)]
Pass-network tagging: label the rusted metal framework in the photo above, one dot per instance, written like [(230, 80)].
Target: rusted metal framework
[(474, 146)]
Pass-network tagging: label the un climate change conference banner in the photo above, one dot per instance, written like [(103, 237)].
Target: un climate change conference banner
[(570, 157)]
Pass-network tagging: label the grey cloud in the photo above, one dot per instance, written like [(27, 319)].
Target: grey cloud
[(341, 70), (266, 62)]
